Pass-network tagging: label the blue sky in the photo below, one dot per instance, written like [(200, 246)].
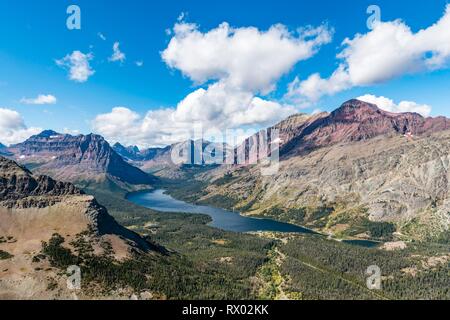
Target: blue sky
[(34, 36)]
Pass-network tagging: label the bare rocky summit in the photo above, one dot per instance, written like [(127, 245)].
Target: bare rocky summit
[(358, 121)]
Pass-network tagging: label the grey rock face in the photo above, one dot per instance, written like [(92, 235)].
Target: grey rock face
[(17, 183)]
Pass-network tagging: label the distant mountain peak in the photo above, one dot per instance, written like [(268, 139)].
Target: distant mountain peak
[(133, 153), (77, 159), (355, 105), (359, 111), (48, 134), (357, 120), (132, 149)]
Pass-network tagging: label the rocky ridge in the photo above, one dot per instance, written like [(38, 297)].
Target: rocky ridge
[(21, 190)]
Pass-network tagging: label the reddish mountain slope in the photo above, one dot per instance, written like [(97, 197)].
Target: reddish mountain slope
[(356, 121)]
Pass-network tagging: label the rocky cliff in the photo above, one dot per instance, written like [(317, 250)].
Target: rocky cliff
[(18, 187), (21, 190)]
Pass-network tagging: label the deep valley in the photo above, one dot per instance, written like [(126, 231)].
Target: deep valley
[(372, 196)]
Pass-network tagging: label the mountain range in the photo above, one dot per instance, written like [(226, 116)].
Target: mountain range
[(356, 173), (345, 172), (79, 159), (354, 121), (149, 160), (160, 160), (133, 153), (359, 121)]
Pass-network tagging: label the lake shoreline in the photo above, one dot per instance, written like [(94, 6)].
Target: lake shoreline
[(225, 219), (160, 200)]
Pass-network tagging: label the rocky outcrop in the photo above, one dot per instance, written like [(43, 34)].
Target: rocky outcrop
[(18, 187), (21, 190), (36, 210)]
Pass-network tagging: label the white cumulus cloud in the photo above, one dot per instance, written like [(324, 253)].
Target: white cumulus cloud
[(117, 55), (171, 125), (235, 69), (246, 58), (222, 106), (388, 51), (40, 99), (403, 106), (13, 128), (78, 65), (128, 127), (313, 88), (101, 36)]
